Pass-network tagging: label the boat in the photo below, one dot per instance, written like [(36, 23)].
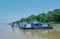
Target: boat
[(35, 25)]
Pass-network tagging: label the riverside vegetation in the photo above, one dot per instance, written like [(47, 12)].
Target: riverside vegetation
[(52, 17)]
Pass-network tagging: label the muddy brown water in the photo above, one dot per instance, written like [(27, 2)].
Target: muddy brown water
[(9, 32)]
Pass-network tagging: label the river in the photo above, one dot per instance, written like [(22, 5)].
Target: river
[(9, 32)]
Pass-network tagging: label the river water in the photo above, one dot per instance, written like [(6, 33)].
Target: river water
[(9, 32)]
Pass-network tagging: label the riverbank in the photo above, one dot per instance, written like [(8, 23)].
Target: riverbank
[(55, 23)]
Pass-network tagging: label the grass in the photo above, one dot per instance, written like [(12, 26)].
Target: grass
[(55, 23)]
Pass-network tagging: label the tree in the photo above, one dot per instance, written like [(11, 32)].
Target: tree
[(50, 15), (32, 17), (42, 17), (22, 20), (57, 14)]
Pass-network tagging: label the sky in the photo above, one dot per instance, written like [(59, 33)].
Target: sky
[(13, 10)]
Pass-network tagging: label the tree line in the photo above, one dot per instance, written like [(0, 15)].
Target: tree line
[(51, 16)]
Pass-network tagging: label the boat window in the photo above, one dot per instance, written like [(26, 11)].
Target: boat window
[(36, 24)]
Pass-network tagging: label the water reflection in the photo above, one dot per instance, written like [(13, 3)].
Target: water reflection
[(38, 33), (14, 26)]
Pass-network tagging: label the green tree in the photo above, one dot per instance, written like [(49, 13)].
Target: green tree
[(51, 15), (33, 17), (57, 14), (42, 17)]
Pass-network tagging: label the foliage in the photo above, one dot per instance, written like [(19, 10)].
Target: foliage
[(51, 16)]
